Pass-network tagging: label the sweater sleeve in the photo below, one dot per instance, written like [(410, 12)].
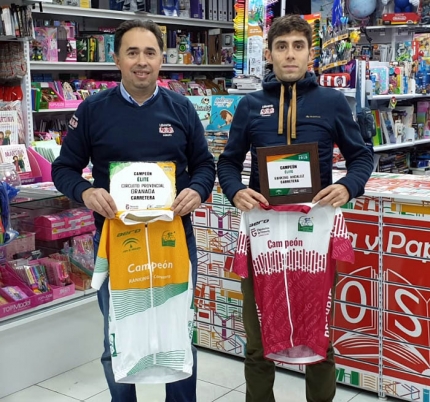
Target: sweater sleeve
[(74, 157), (359, 159), (201, 165), (230, 163)]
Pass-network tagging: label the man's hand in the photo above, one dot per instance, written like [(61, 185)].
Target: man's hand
[(186, 201), (335, 195), (100, 201), (247, 199)]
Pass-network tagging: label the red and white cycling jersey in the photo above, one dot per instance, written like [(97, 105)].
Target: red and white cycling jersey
[(293, 249)]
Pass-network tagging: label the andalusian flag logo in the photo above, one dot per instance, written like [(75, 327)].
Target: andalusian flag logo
[(168, 239), (131, 244)]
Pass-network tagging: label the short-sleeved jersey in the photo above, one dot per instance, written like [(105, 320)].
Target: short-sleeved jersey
[(151, 299), (293, 251)]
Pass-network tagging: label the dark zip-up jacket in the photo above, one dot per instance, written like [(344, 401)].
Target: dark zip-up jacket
[(323, 116), (107, 128)]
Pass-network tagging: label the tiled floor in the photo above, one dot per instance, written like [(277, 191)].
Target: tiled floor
[(220, 378)]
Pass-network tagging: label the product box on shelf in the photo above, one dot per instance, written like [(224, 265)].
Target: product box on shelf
[(64, 224), (17, 306), (59, 279), (24, 242), (109, 42), (81, 280), (54, 95), (10, 278), (62, 291), (17, 155), (400, 19), (51, 98), (44, 46)]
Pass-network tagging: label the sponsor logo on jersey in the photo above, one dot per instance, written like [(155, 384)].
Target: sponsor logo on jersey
[(305, 224), (168, 239), (260, 230), (128, 232), (166, 130), (251, 225), (131, 244), (267, 110)]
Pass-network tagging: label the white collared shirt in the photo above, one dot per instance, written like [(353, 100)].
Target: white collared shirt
[(130, 99)]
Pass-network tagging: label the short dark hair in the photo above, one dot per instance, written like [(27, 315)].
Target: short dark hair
[(287, 24), (148, 25)]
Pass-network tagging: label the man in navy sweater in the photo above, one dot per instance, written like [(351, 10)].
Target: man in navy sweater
[(128, 123), (291, 109)]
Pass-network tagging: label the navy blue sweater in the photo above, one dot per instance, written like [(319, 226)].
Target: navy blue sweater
[(323, 116), (106, 128)]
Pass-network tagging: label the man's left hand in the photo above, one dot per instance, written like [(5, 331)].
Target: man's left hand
[(335, 195), (186, 201)]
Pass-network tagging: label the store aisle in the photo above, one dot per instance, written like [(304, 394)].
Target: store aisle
[(220, 378)]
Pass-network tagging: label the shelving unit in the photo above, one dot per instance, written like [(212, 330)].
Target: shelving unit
[(66, 66), (70, 12), (397, 96), (73, 323), (388, 147), (66, 110)]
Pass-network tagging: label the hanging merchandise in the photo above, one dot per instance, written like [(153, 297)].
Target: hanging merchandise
[(254, 40), (314, 21), (239, 37), (13, 68), (360, 10), (251, 24), (7, 193), (12, 61), (336, 12)]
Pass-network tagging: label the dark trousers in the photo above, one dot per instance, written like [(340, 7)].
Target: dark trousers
[(260, 373), (180, 391)]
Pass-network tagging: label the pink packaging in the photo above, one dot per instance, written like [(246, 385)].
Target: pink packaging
[(40, 298), (72, 103), (24, 242), (9, 278), (67, 223), (62, 291)]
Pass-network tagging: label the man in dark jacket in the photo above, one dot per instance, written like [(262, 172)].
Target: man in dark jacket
[(291, 109), (136, 122)]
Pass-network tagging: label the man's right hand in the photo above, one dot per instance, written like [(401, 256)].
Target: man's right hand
[(100, 201), (247, 199)]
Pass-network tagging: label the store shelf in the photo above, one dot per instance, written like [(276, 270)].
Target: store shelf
[(388, 147), (347, 91), (234, 91), (394, 26), (397, 96), (71, 12), (195, 67), (66, 66), (70, 109), (45, 310), (424, 141), (11, 38)]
